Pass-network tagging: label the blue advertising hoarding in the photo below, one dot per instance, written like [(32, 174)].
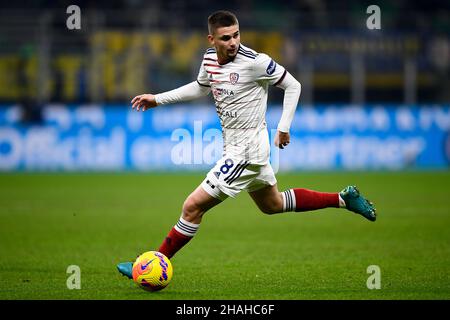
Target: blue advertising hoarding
[(188, 137)]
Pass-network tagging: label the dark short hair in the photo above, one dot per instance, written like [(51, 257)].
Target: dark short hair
[(220, 19)]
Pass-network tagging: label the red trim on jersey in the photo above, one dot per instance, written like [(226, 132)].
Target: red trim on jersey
[(212, 65), (213, 72)]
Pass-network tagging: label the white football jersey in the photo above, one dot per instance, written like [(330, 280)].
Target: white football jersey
[(240, 89)]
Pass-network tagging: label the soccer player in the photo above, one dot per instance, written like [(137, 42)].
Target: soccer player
[(238, 78)]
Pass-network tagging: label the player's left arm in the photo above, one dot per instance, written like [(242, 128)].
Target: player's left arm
[(266, 69), (292, 89)]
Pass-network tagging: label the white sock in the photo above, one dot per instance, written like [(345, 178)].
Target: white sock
[(187, 228), (288, 200), (341, 202)]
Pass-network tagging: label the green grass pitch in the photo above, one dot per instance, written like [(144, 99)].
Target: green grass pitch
[(51, 221)]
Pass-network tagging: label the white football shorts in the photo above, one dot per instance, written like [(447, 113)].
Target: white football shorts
[(229, 177)]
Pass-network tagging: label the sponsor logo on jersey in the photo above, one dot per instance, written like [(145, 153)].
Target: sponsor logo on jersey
[(217, 92), (271, 67), (229, 114), (234, 77)]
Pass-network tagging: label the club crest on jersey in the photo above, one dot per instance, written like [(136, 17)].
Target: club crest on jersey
[(234, 77), (271, 67)]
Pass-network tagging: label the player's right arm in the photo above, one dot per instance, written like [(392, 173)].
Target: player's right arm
[(187, 92), (190, 91), (144, 102)]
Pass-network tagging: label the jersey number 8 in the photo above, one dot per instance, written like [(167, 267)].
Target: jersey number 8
[(225, 168)]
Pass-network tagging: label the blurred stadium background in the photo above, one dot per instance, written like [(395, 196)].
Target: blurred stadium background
[(385, 90)]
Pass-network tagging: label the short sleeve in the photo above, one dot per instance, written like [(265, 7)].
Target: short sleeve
[(202, 77), (266, 69)]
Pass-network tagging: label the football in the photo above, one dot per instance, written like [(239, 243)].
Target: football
[(152, 271)]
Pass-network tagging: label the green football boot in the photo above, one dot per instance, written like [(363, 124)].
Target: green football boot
[(126, 269), (355, 202)]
